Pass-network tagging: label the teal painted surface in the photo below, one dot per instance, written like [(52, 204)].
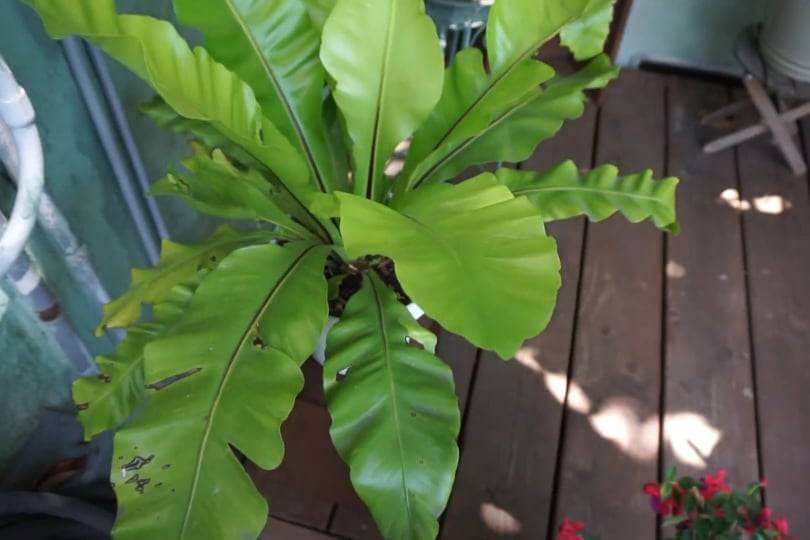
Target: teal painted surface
[(33, 373), (695, 34), (159, 149), (78, 176)]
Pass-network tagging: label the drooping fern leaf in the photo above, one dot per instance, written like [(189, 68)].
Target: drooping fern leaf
[(178, 263), (395, 415), (233, 362), (107, 400)]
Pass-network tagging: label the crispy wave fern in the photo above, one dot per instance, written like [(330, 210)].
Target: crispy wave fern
[(294, 108)]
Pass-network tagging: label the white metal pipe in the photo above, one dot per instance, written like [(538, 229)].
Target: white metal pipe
[(28, 282), (23, 159), (48, 215), (21, 153)]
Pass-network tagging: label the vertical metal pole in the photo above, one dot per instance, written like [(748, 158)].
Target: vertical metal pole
[(128, 139), (82, 73)]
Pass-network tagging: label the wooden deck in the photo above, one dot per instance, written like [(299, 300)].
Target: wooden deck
[(690, 350)]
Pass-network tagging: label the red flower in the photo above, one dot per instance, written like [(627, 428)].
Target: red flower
[(569, 530), (781, 526), (664, 507), (714, 484), (654, 491), (765, 517)]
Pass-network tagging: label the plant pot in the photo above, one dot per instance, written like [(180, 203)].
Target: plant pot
[(785, 40), (320, 351)]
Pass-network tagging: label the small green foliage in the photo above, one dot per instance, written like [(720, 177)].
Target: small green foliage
[(708, 509)]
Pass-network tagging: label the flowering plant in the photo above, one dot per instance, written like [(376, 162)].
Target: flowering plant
[(572, 530), (708, 509)]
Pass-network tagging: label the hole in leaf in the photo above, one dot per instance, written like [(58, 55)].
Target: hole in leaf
[(160, 385), (342, 374), (138, 462), (140, 483), (413, 342)]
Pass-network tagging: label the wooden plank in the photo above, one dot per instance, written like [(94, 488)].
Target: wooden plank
[(510, 441), (610, 451), (312, 478), (277, 529), (313, 383), (461, 357), (777, 239), (710, 415), (354, 521)]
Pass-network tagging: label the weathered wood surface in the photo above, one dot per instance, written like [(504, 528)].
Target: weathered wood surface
[(282, 530), (612, 449), (586, 415), (709, 418), (777, 239)]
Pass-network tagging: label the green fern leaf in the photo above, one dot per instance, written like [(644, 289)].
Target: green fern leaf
[(563, 192), (228, 373), (395, 415), (178, 263)]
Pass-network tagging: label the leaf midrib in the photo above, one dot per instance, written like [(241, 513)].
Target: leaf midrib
[(224, 129), (606, 192), (372, 172), (111, 389), (392, 389), (291, 114), (493, 83), (232, 360), (470, 140)]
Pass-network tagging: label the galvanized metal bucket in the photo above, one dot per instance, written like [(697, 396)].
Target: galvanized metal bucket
[(785, 40), (460, 23)]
